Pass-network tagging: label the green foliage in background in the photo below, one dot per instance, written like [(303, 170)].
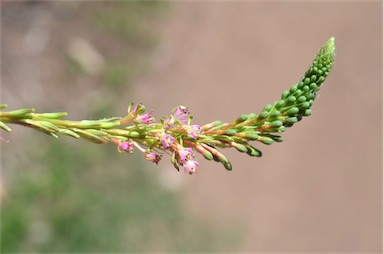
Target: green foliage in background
[(76, 206), (67, 196)]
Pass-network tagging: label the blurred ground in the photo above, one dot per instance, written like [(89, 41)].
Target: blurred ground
[(66, 196), (321, 189), (318, 191)]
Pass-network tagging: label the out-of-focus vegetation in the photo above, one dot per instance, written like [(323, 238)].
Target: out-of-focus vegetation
[(72, 204), (69, 196)]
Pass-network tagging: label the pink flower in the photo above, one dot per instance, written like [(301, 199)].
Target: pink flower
[(146, 118), (125, 146), (190, 166), (134, 114), (153, 157), (180, 116), (185, 154), (166, 140), (194, 131), (137, 109)]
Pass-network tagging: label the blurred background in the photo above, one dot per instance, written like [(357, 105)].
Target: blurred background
[(318, 191)]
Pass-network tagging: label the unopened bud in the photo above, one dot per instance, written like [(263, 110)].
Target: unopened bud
[(265, 140), (4, 127), (56, 115)]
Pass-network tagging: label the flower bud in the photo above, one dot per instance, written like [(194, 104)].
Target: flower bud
[(217, 156), (250, 136), (211, 125), (292, 111), (281, 129), (69, 133), (275, 113), (86, 124), (19, 112), (263, 115), (141, 108), (305, 104), (240, 147), (276, 138), (307, 112), (285, 94), (4, 127), (218, 127), (320, 80), (311, 96), (174, 161), (207, 154), (301, 99), (56, 115), (46, 126), (276, 123), (291, 99), (86, 134), (267, 108), (265, 140), (227, 165), (313, 86), (230, 132), (280, 103), (240, 119), (252, 151), (293, 89), (290, 120)]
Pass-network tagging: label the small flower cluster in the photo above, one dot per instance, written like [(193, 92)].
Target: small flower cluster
[(176, 136), (166, 136)]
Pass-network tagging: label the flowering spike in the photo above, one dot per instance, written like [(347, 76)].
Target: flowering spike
[(177, 135)]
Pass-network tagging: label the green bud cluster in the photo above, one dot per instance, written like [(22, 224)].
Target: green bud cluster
[(293, 105), (297, 101)]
